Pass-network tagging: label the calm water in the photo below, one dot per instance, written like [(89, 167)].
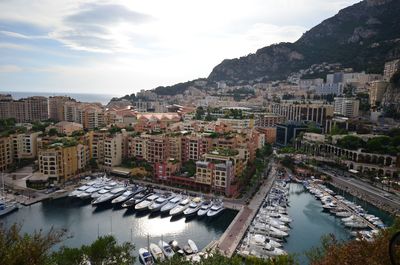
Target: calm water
[(310, 223), (102, 98), (84, 222)]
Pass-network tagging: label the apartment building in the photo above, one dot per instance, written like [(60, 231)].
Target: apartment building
[(391, 68), (25, 145), (237, 124), (56, 107), (264, 120), (194, 146), (218, 170), (6, 153), (347, 107), (376, 92), (29, 109), (315, 112), (90, 115), (58, 162), (113, 150)]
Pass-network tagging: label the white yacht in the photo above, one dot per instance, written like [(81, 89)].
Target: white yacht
[(109, 196), (171, 204), (161, 201), (205, 207), (194, 206), (216, 209), (137, 199), (143, 205), (183, 205)]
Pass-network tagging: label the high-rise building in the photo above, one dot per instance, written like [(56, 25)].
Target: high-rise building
[(58, 162), (300, 112), (6, 153), (348, 107), (376, 92), (25, 110), (56, 107), (286, 133), (391, 68)]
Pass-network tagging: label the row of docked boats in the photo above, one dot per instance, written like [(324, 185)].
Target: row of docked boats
[(104, 190), (353, 216), (162, 251), (270, 226)]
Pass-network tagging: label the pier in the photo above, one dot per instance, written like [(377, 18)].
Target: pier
[(345, 206), (229, 241)]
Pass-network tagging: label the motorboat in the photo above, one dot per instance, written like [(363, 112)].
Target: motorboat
[(137, 198), (166, 249), (258, 239), (157, 253), (7, 207), (78, 191), (194, 206), (145, 256), (109, 196), (175, 247), (178, 209), (161, 201), (272, 251), (193, 246), (143, 205), (171, 204), (101, 192), (123, 197), (269, 230), (128, 194), (216, 209), (356, 224), (205, 207)]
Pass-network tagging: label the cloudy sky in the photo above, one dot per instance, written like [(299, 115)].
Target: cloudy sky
[(120, 47)]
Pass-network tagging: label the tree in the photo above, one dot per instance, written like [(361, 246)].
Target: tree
[(355, 252), (200, 112), (105, 250), (349, 90), (52, 132), (17, 249), (351, 142)]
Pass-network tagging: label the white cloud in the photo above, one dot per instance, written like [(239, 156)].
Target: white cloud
[(133, 44), (9, 69)]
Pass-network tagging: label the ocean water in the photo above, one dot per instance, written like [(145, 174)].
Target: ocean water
[(83, 97)]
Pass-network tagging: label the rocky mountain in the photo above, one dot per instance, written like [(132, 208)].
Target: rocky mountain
[(362, 36)]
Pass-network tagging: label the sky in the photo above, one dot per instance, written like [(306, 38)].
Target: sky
[(122, 46)]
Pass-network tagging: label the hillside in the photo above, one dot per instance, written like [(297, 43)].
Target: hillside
[(362, 36)]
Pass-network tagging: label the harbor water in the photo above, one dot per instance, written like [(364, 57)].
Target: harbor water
[(84, 223), (310, 223)]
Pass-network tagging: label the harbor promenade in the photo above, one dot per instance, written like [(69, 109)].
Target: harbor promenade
[(234, 233)]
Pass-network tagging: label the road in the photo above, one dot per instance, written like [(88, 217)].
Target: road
[(381, 196)]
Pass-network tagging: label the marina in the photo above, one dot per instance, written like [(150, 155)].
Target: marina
[(267, 226)]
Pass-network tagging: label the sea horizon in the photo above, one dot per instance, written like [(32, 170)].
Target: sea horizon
[(83, 97)]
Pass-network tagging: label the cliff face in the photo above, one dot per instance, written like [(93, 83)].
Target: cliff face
[(362, 36)]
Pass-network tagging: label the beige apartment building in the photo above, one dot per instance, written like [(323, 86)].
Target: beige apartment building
[(113, 150), (391, 68), (6, 153), (25, 145), (25, 110), (56, 107), (376, 92), (293, 111), (58, 162)]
